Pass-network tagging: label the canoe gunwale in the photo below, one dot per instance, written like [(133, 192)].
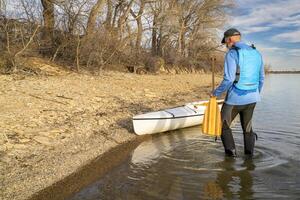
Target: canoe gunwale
[(168, 117)]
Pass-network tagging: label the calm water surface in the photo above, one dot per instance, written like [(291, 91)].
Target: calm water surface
[(187, 165)]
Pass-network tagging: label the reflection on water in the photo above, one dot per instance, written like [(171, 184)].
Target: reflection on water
[(187, 165)]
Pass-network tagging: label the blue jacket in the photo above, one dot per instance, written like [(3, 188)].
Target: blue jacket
[(236, 96)]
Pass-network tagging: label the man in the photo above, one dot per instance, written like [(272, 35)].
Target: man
[(243, 81)]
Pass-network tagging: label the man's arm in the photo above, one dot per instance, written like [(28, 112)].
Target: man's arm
[(261, 76), (229, 73)]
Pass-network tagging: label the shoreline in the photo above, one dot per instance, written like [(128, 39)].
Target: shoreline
[(89, 172), (283, 72), (55, 125)]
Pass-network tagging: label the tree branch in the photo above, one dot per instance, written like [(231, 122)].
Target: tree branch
[(28, 43)]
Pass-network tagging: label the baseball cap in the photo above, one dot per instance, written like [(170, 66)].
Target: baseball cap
[(230, 32)]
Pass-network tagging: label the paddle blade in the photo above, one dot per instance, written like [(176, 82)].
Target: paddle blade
[(212, 119)]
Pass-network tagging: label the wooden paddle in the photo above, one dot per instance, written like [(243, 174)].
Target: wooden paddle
[(212, 117)]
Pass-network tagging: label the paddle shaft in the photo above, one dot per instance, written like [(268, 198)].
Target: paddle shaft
[(221, 101), (213, 59)]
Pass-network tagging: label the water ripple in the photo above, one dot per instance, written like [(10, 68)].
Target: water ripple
[(185, 164)]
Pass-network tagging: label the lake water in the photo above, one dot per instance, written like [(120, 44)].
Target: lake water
[(185, 164)]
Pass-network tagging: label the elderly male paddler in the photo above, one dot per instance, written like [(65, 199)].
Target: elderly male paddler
[(243, 81)]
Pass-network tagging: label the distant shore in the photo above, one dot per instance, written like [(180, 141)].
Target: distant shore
[(54, 125), (284, 72)]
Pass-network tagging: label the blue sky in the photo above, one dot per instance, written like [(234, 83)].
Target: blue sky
[(273, 26)]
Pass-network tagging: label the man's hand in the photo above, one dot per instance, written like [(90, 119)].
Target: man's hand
[(212, 94)]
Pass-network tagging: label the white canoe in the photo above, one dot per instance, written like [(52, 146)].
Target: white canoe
[(184, 116)]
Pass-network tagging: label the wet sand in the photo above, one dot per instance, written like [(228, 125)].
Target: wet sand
[(53, 127)]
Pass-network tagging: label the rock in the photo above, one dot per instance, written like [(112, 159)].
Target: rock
[(50, 134), (150, 95), (2, 148), (6, 159), (2, 141), (62, 137), (43, 140), (11, 134), (101, 122), (56, 131), (97, 99), (25, 140), (20, 146), (8, 146)]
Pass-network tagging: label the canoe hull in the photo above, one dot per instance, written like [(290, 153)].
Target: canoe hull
[(184, 116), (151, 126)]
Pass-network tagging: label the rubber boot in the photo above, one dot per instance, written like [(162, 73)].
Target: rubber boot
[(227, 140), (249, 142)]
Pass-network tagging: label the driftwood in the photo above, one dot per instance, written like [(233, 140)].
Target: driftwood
[(52, 100)]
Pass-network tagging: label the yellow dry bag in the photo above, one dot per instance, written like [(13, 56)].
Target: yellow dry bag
[(212, 123)]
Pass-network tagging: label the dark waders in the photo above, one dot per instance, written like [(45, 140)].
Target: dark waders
[(228, 113)]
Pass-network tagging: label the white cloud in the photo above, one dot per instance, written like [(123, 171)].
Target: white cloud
[(291, 21), (267, 16), (293, 36), (248, 2), (269, 13), (290, 52), (255, 29), (278, 13), (279, 57), (294, 52), (271, 49)]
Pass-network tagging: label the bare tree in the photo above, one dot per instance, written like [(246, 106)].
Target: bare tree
[(49, 20), (93, 16), (124, 11), (109, 14), (158, 16), (16, 42), (138, 18), (2, 7), (94, 33)]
